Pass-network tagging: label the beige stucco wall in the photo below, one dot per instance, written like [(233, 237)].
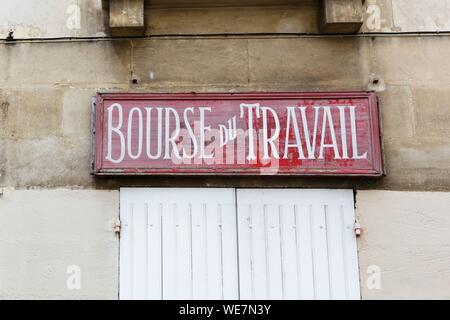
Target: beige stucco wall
[(406, 235), (43, 233), (46, 233)]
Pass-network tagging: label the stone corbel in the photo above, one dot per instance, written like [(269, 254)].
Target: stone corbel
[(341, 16), (126, 17)]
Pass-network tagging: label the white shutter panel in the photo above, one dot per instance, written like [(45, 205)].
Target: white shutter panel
[(297, 244)]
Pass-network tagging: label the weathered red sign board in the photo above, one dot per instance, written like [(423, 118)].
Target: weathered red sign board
[(319, 134)]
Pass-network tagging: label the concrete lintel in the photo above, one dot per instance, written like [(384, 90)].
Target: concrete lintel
[(341, 16)]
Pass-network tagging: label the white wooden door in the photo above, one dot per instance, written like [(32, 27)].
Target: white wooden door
[(297, 244), (187, 243), (178, 244)]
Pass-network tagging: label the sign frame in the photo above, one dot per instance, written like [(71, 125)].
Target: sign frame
[(374, 133)]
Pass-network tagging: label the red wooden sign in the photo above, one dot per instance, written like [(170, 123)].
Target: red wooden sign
[(244, 134)]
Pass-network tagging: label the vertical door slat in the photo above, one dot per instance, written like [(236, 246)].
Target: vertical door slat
[(185, 243)]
